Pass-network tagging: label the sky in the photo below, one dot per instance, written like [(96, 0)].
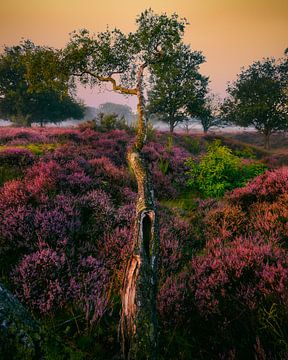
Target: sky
[(230, 33)]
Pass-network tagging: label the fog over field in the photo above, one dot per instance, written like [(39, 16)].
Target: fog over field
[(158, 125)]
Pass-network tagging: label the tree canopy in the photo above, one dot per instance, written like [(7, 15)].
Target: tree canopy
[(114, 57), (31, 86), (259, 97), (178, 89), (123, 111)]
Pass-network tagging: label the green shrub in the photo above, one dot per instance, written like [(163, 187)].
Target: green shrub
[(251, 170), (246, 153), (163, 165), (192, 144), (169, 144), (39, 149), (219, 171), (8, 173), (104, 123)]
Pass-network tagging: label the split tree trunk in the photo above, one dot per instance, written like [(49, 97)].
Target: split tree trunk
[(138, 319)]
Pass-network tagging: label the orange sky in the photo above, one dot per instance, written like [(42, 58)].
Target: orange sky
[(231, 33)]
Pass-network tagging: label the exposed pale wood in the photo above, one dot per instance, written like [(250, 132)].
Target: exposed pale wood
[(138, 318)]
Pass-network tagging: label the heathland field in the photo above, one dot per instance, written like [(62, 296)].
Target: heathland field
[(67, 208)]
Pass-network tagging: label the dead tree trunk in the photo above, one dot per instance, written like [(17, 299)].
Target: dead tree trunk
[(138, 319)]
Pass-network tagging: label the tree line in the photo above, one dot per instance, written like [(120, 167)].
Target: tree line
[(38, 84)]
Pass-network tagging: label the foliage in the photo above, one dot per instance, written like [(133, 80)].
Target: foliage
[(95, 58), (233, 294), (192, 144), (178, 89), (25, 95), (122, 111), (219, 170), (105, 122), (13, 162), (259, 97)]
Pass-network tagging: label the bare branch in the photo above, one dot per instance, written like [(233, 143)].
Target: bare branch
[(110, 79), (116, 87)]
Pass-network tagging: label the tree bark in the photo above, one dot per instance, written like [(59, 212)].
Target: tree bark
[(267, 145), (138, 324), (172, 124)]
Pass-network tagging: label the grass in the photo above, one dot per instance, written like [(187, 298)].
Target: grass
[(36, 149), (186, 202)]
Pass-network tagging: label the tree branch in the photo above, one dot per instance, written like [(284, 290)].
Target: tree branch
[(110, 79), (116, 87)]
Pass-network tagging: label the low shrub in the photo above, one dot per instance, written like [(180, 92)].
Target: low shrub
[(219, 171)]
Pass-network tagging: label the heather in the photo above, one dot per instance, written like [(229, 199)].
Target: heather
[(66, 225)]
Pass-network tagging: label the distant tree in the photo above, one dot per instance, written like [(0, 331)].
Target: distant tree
[(24, 102), (178, 89), (123, 111), (259, 97), (210, 115), (125, 61)]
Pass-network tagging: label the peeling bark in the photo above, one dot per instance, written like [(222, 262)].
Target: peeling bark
[(138, 319)]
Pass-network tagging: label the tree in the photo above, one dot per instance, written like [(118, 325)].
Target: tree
[(178, 89), (123, 111), (210, 114), (123, 61), (24, 102), (259, 97)]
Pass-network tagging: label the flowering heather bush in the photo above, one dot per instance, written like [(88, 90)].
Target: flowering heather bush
[(173, 300), (97, 213), (21, 136), (114, 250), (113, 145), (41, 280), (41, 180), (167, 166), (224, 221), (69, 152), (45, 282), (258, 209), (74, 176), (110, 178), (218, 299), (176, 243), (239, 276), (266, 187), (57, 219), (125, 214), (17, 230), (13, 193), (67, 135), (246, 269), (16, 157), (271, 220), (89, 289)]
